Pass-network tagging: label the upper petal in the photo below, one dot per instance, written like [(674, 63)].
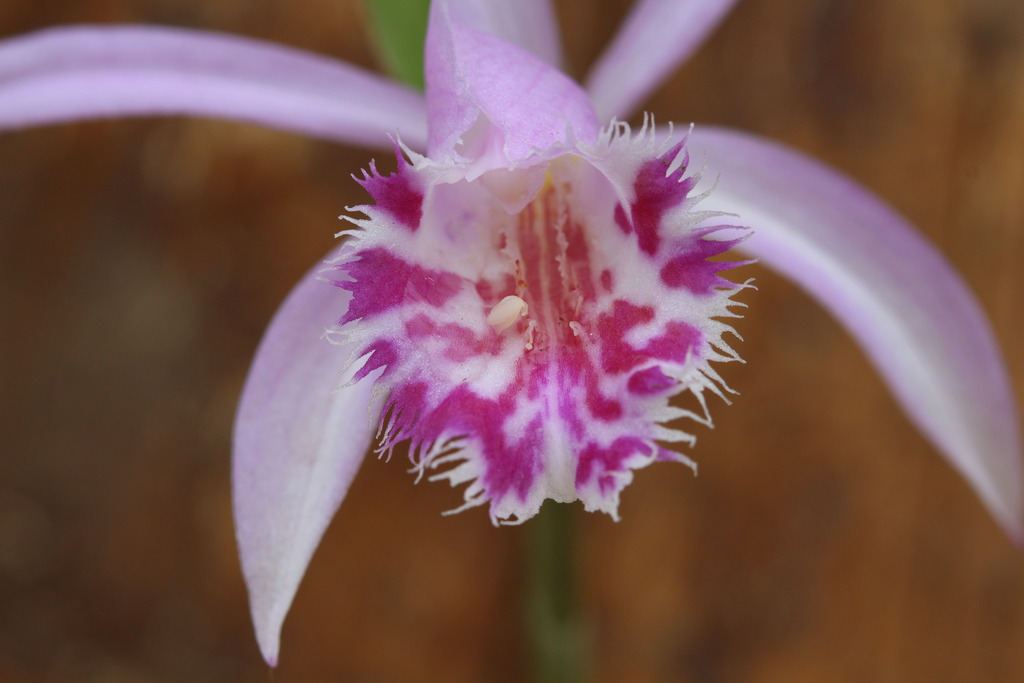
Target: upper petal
[(530, 24), (299, 440), (491, 101), (892, 290), (83, 72), (657, 36)]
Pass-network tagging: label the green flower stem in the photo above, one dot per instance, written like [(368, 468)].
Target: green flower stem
[(554, 626)]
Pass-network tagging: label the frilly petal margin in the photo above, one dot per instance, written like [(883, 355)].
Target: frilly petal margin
[(299, 440), (656, 37), (493, 103), (82, 72), (892, 290)]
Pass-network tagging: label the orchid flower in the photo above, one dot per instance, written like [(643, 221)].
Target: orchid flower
[(536, 282)]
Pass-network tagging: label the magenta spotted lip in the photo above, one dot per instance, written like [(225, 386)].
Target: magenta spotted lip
[(569, 394)]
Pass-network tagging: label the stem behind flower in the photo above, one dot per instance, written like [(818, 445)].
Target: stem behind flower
[(551, 609)]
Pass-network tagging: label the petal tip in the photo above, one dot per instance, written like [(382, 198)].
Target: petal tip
[(269, 641), (1015, 530)]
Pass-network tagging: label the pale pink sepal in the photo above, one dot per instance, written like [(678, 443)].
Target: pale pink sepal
[(894, 292), (490, 101), (657, 36), (84, 72), (299, 440), (530, 24)]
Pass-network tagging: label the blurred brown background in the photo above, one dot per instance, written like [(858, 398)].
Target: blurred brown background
[(823, 541)]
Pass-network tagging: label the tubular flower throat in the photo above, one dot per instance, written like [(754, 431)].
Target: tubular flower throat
[(527, 328)]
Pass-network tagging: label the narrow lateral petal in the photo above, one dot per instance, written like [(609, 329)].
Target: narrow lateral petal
[(892, 290), (530, 24), (299, 440), (492, 102), (657, 36), (83, 72)]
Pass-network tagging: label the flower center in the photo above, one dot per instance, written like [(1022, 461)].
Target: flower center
[(552, 270)]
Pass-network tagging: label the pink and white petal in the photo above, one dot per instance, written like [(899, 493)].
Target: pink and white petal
[(531, 334), (299, 439), (657, 36), (893, 291), (530, 24), (491, 102), (83, 72)]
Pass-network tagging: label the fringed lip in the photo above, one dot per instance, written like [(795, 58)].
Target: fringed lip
[(529, 349)]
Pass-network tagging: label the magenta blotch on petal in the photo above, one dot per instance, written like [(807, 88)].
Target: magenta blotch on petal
[(398, 193), (605, 467), (690, 266), (386, 281), (652, 380), (656, 190)]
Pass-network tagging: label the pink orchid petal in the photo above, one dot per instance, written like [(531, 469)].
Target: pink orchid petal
[(82, 72), (299, 440), (530, 24), (892, 290), (657, 36), (489, 100)]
